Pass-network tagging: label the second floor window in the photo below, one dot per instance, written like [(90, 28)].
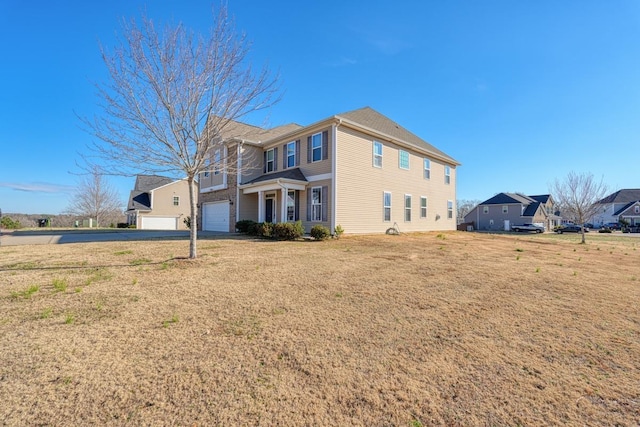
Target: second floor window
[(427, 169), (636, 209), (270, 160), (291, 154), (403, 159), (216, 163), (485, 209), (377, 154), (505, 209), (176, 201), (447, 175), (316, 147)]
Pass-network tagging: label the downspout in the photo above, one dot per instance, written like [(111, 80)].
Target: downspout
[(238, 176), (334, 173)]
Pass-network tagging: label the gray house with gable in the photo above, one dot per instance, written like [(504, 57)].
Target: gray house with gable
[(504, 210)]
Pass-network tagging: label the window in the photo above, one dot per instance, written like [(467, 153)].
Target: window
[(505, 209), (291, 154), (450, 209), (403, 159), (377, 154), (427, 169), (407, 207), (270, 161), (291, 205), (447, 175), (636, 209), (423, 207), (216, 163), (485, 209), (386, 206), (176, 201), (316, 147), (316, 204)]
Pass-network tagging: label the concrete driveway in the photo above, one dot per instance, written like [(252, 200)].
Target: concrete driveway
[(46, 237)]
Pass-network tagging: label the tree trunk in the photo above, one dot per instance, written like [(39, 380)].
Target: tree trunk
[(193, 230)]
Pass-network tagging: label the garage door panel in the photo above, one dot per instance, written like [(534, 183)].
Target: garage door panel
[(159, 223), (215, 216)]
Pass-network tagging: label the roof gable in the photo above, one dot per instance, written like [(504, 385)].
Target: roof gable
[(370, 118), (622, 196), (626, 207), (508, 198)]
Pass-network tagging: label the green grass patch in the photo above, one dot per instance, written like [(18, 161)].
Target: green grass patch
[(26, 294), (174, 319), (59, 285), (127, 252)]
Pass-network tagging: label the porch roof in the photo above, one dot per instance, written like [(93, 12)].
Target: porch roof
[(292, 179)]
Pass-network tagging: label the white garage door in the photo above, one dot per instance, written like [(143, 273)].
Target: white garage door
[(159, 223), (215, 216)]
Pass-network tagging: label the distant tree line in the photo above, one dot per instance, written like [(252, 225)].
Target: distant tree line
[(12, 221)]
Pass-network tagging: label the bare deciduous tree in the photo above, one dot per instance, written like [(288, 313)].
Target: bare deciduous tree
[(96, 198), (170, 97), (577, 195), (465, 206)]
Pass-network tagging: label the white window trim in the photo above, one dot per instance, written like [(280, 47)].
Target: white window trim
[(273, 160), (176, 198), (384, 207), (294, 206), (449, 210), (400, 159), (376, 156), (447, 175), (426, 164), (423, 209), (313, 205), (407, 197), (217, 159), (292, 155), (505, 209), (485, 209), (314, 148)]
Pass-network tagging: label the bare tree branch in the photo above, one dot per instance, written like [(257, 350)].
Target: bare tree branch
[(96, 198), (170, 96), (577, 195)]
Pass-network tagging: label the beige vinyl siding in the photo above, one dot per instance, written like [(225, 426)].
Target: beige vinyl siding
[(308, 169), (162, 202), (248, 206), (303, 205), (360, 187), (251, 163)]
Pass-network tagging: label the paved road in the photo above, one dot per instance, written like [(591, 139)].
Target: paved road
[(45, 237)]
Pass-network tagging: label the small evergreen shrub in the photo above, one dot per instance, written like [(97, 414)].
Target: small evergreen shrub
[(244, 226), (288, 230), (338, 231), (320, 232), (123, 225), (265, 229)]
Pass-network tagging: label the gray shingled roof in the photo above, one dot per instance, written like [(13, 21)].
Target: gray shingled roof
[(151, 182), (507, 198), (139, 200), (238, 130), (542, 198), (292, 174), (622, 196), (370, 118), (531, 209)]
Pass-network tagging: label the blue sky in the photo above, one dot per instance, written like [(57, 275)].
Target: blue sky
[(520, 92)]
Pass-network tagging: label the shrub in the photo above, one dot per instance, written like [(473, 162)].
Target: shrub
[(320, 232), (252, 229), (122, 225), (338, 231), (132, 226), (187, 222), (10, 224), (244, 225), (604, 230), (264, 229), (288, 230)]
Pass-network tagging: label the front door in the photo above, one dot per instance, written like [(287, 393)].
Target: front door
[(268, 210)]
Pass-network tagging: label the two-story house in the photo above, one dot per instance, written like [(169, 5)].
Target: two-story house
[(358, 169), (158, 203), (504, 210), (623, 204)]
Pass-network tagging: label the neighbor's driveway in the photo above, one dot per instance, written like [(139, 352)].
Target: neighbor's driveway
[(44, 237)]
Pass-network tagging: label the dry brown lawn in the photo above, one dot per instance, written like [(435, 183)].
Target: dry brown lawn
[(419, 329)]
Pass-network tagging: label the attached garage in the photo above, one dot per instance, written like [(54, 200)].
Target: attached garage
[(215, 216), (158, 223)]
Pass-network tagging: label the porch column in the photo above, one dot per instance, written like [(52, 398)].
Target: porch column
[(283, 204), (260, 206)]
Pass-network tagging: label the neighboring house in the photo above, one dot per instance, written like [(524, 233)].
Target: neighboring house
[(358, 169), (507, 209), (158, 203), (619, 205)]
